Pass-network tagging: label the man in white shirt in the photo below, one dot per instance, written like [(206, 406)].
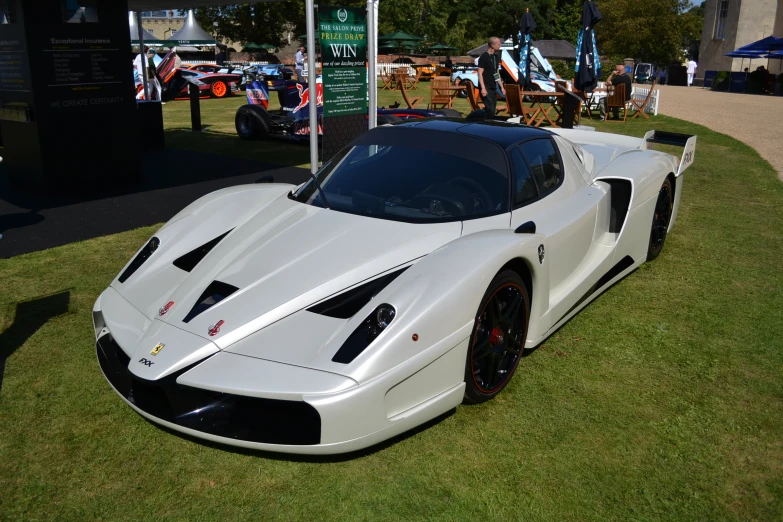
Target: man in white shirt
[(299, 59), (141, 70), (691, 71)]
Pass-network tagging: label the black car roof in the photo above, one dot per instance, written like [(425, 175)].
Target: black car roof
[(502, 133), (463, 145), (482, 142)]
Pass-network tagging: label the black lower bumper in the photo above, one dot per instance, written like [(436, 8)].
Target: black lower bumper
[(237, 417)]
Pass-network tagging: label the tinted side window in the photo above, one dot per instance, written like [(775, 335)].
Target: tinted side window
[(544, 164), (524, 186)]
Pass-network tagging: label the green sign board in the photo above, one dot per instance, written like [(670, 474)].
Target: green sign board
[(343, 36)]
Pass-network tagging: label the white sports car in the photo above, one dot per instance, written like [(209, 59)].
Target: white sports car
[(408, 276)]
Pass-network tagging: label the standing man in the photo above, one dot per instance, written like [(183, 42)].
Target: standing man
[(155, 80), (616, 78), (489, 77), (691, 70), (299, 59), (448, 64), (140, 69), (220, 56)]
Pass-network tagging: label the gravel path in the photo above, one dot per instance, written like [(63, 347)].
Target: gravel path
[(753, 119)]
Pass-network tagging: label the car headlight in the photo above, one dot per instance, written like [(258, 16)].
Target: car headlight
[(365, 333)]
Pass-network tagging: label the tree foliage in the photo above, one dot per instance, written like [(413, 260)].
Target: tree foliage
[(266, 22), (653, 30)]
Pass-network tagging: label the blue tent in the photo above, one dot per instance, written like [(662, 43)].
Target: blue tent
[(766, 45), (745, 54)]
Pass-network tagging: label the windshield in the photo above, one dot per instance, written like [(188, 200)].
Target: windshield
[(643, 68), (407, 184)]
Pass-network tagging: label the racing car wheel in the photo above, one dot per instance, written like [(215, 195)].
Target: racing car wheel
[(662, 216), (219, 89), (252, 122), (498, 338), (468, 85)]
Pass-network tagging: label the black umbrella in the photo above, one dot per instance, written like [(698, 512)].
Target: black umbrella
[(588, 64), (526, 26)]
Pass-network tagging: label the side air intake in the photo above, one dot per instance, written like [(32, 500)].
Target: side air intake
[(621, 200), (142, 256), (189, 261), (347, 304), (215, 292)]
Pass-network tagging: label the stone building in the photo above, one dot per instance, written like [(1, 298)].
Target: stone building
[(162, 23), (729, 24)]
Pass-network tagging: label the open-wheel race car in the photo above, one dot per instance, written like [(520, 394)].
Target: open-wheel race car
[(292, 121), (409, 275)]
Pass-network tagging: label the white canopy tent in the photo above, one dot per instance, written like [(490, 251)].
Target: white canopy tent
[(372, 53)]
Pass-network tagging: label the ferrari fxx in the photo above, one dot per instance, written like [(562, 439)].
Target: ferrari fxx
[(409, 275)]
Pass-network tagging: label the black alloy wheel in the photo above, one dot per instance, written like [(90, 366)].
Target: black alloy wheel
[(662, 216), (498, 338)]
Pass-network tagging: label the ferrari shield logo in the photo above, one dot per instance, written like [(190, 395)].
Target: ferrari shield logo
[(541, 254), (157, 349)]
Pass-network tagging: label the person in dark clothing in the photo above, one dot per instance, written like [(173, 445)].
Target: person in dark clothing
[(489, 77), (220, 56), (449, 64), (617, 77)]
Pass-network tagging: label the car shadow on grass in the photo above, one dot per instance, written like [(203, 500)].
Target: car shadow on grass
[(30, 316), (315, 459)]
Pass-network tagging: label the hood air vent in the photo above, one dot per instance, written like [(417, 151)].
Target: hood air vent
[(347, 304), (142, 256), (192, 258), (215, 292)]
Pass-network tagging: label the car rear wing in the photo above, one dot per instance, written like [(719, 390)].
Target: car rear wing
[(687, 141)]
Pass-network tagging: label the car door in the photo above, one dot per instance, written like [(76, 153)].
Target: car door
[(551, 193)]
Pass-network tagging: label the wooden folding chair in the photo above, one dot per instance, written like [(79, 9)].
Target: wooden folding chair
[(514, 105), (640, 106), (411, 102), (616, 100), (415, 79), (387, 79), (440, 93), (586, 99), (475, 100)]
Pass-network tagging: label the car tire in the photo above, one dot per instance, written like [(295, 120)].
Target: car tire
[(450, 113), (498, 339), (662, 215), (219, 89), (460, 94), (252, 122), (383, 119), (468, 85)]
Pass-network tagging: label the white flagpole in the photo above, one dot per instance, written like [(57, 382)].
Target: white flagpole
[(372, 59), (311, 84)]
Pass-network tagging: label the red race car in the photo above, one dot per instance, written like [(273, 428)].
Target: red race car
[(175, 81)]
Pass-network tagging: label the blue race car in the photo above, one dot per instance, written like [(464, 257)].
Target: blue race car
[(292, 121)]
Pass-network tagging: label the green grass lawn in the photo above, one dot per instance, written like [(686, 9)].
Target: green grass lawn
[(663, 400)]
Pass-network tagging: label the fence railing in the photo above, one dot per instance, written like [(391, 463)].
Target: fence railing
[(639, 94), (387, 68)]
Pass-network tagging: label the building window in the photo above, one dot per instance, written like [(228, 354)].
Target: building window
[(720, 21)]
